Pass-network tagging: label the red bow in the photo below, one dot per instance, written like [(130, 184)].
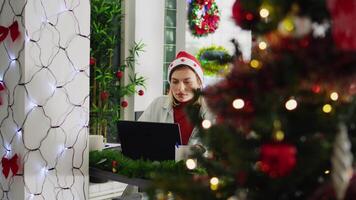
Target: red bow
[(13, 29), (8, 164)]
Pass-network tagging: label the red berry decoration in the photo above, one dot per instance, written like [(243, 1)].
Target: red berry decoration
[(277, 160), (141, 92), (104, 95), (92, 61), (124, 104), (119, 74)]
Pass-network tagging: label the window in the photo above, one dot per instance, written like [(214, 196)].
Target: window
[(170, 26)]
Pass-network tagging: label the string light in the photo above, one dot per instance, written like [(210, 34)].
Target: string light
[(214, 181), (327, 108), (238, 103), (262, 45), (206, 124), (327, 172), (279, 135), (191, 164), (334, 96), (255, 64), (291, 104), (264, 12)]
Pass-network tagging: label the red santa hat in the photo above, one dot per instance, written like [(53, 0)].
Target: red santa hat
[(184, 58)]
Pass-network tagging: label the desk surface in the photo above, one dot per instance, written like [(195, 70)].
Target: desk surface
[(98, 173)]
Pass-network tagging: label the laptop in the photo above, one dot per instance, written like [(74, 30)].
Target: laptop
[(148, 140)]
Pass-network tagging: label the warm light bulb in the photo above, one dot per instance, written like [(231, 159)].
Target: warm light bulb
[(291, 104), (327, 172), (214, 181), (191, 164), (206, 124), (279, 135), (238, 103), (334, 96), (327, 108), (262, 45), (255, 64), (264, 12)]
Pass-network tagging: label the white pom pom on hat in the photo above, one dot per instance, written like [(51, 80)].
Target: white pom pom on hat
[(184, 58)]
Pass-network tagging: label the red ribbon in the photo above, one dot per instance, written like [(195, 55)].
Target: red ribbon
[(8, 164), (13, 29)]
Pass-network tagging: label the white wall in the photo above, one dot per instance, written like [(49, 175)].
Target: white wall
[(149, 26), (45, 113)]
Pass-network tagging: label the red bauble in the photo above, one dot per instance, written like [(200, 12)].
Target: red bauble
[(92, 61), (278, 159), (141, 92), (343, 13), (119, 74), (124, 104), (237, 13), (104, 95)]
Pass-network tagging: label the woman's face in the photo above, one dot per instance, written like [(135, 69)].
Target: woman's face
[(183, 82)]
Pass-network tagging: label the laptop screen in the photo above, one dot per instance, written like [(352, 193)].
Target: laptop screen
[(148, 140)]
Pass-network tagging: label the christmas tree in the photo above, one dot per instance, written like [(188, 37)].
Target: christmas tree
[(286, 118)]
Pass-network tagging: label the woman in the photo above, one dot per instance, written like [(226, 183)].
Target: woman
[(185, 75)]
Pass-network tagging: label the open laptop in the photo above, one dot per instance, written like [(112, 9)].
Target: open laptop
[(148, 140)]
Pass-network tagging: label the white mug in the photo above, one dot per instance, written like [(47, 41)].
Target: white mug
[(96, 142)]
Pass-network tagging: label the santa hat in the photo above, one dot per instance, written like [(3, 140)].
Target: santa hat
[(184, 58)]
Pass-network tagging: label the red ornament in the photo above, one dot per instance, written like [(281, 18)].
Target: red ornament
[(119, 74), (114, 163), (141, 92), (124, 104), (13, 29), (277, 160), (104, 95), (92, 61), (343, 13), (316, 88), (9, 164)]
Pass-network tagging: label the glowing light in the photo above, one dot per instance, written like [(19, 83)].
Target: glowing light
[(279, 135), (291, 104), (327, 172), (327, 108), (288, 24), (334, 96), (213, 187), (238, 103), (255, 64), (264, 12), (206, 124), (214, 181), (191, 164), (262, 45)]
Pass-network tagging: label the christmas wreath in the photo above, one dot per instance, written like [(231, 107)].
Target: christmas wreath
[(203, 17), (214, 60)]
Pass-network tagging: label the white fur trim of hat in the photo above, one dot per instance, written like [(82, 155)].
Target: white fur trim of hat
[(184, 58)]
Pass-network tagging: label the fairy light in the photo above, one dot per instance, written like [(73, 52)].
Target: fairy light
[(327, 108), (214, 182), (238, 103), (262, 45), (279, 135), (191, 164), (206, 124), (255, 64), (291, 104), (264, 12), (334, 96), (327, 172)]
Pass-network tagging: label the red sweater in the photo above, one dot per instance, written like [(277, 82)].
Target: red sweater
[(181, 118)]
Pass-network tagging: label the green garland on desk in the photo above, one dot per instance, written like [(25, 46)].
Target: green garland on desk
[(114, 161)]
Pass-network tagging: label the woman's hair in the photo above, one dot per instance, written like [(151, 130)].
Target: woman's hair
[(174, 102)]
